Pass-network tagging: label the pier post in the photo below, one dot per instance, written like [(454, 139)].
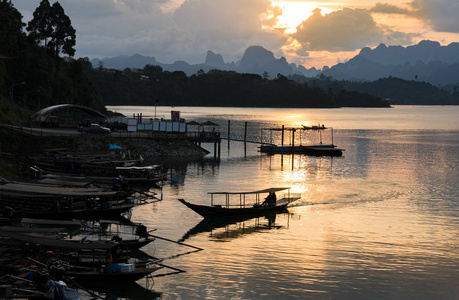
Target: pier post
[(245, 139), (229, 126), (245, 132), (219, 149), (293, 138), (332, 135), (282, 140)]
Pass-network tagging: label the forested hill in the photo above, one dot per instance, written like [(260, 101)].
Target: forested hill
[(32, 73), (396, 90), (216, 88)]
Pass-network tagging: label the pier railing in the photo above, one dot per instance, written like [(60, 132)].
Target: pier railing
[(246, 139)]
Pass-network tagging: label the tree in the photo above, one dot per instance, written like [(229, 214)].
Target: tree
[(100, 65), (51, 27), (12, 41), (265, 75), (64, 34), (10, 27)]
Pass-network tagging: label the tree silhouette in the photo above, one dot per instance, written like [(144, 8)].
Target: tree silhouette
[(51, 27), (10, 27)]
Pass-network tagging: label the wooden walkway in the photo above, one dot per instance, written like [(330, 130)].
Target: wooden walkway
[(246, 139)]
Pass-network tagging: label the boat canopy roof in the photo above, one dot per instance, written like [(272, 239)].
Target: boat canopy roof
[(269, 190), (54, 242), (47, 189), (151, 167)]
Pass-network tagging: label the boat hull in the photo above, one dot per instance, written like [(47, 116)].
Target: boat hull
[(219, 211), (120, 277), (83, 214)]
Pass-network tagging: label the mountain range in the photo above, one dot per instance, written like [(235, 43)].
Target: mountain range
[(256, 59), (427, 61)]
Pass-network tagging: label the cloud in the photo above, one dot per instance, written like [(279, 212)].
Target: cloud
[(342, 30), (186, 32), (442, 15), (173, 30), (389, 9), (228, 27)]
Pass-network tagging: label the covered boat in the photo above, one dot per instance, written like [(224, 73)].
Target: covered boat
[(107, 271), (242, 205), (47, 201)]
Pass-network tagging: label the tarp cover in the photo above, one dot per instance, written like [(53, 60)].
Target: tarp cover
[(112, 147)]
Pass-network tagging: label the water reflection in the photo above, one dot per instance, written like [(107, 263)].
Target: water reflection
[(379, 223), (233, 227), (132, 291)]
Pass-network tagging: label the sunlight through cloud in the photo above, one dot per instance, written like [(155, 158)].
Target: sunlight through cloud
[(294, 13)]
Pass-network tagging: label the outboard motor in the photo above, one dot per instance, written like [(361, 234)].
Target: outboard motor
[(141, 231)]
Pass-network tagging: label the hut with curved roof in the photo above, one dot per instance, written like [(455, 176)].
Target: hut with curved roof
[(67, 115)]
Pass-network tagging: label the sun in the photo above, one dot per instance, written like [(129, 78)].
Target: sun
[(293, 13)]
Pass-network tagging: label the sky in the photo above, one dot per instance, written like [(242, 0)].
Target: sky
[(309, 33)]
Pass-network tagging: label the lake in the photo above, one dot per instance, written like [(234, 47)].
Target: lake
[(381, 222)]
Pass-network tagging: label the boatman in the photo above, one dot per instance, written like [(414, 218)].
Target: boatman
[(270, 200), (273, 199)]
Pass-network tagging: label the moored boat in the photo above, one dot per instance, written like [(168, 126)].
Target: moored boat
[(130, 274), (45, 201), (85, 264)]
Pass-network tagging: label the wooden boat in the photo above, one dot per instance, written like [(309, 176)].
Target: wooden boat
[(244, 207), (45, 201), (101, 275), (100, 272), (94, 167), (99, 170)]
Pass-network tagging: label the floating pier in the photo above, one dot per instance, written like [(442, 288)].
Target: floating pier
[(315, 149)]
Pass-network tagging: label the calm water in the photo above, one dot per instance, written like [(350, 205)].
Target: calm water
[(381, 222)]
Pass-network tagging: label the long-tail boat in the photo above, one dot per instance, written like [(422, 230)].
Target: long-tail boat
[(81, 271), (242, 205), (47, 201)]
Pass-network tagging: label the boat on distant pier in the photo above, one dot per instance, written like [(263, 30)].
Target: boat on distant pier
[(319, 149)]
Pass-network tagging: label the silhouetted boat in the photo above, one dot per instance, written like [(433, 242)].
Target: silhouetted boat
[(98, 272), (99, 275), (231, 208), (47, 201)]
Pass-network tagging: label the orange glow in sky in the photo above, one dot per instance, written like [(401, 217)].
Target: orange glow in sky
[(293, 13)]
